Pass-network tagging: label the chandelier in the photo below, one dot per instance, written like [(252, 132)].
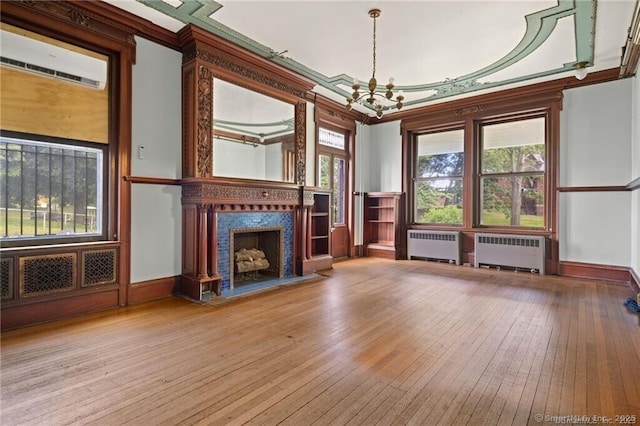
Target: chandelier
[(371, 95)]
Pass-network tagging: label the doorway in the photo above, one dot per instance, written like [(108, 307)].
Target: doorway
[(333, 175)]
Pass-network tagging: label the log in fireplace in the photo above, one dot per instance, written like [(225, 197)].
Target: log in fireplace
[(256, 254)]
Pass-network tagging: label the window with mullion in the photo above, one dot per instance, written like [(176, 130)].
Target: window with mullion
[(438, 177), (512, 173)]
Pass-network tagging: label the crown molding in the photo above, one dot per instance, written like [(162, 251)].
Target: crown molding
[(236, 64), (631, 50), (525, 93)]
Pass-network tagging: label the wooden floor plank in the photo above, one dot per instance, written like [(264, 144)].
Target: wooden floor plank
[(375, 342)]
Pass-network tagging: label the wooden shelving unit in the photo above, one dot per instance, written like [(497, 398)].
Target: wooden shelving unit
[(320, 224), (319, 235), (383, 225)]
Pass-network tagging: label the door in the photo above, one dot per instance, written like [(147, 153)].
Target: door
[(332, 175)]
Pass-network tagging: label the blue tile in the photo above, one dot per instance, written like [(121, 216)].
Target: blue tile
[(228, 221)]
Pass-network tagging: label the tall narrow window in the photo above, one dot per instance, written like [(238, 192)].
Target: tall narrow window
[(438, 177), (49, 190), (332, 169), (512, 187)]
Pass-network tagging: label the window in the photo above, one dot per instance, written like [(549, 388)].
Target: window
[(50, 190), (332, 169), (331, 139), (438, 177), (512, 173), (483, 172)]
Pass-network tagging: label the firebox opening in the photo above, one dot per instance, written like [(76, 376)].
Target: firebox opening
[(256, 255)]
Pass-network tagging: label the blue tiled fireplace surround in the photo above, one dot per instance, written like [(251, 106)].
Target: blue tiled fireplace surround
[(228, 221)]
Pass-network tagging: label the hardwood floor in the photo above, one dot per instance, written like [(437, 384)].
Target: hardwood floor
[(376, 342)]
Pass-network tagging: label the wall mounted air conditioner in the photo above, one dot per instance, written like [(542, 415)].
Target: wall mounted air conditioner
[(35, 56)]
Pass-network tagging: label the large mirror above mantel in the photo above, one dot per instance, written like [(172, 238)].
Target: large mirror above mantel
[(253, 134), (243, 154)]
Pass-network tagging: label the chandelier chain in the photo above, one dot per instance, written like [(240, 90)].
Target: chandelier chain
[(374, 46), (371, 93)]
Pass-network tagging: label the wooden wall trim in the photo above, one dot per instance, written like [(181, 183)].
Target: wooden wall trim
[(480, 107), (48, 17), (607, 188), (525, 94), (134, 24), (238, 192), (145, 291), (634, 281), (152, 180), (240, 66), (50, 310), (594, 271), (633, 185), (335, 112)]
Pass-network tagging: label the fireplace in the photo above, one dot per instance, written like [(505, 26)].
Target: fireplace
[(262, 246), (232, 223)]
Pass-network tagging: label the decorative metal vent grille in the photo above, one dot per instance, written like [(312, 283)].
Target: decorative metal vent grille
[(47, 274), (6, 278), (98, 267)]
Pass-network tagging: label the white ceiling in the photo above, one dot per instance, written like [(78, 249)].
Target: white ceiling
[(435, 50)]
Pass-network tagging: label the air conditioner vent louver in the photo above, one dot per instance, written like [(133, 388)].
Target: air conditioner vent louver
[(52, 73), (39, 57)]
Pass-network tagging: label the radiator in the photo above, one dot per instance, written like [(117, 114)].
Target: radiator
[(517, 251), (443, 245)]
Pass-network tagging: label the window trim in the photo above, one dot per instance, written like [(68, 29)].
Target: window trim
[(469, 114), (478, 174), (332, 153), (28, 241), (411, 200)]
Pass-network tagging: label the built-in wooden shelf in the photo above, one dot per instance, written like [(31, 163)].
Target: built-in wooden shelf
[(383, 227)]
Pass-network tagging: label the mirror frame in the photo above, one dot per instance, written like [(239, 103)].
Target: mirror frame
[(206, 56)]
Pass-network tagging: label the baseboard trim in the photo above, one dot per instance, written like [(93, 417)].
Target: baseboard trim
[(57, 309), (146, 291), (594, 271), (634, 281)]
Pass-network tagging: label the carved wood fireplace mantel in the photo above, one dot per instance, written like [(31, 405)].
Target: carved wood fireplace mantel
[(203, 200), (204, 197)]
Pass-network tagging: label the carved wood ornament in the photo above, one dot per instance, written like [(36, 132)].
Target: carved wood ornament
[(301, 142), (204, 141)]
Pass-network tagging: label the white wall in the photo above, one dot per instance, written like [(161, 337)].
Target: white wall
[(385, 158), (595, 150), (156, 222), (635, 195), (596, 227), (361, 178), (595, 128)]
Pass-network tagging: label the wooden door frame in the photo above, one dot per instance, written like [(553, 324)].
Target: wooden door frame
[(326, 118)]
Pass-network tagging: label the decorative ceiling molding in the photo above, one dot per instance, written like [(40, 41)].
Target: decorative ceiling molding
[(631, 50), (539, 27)]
